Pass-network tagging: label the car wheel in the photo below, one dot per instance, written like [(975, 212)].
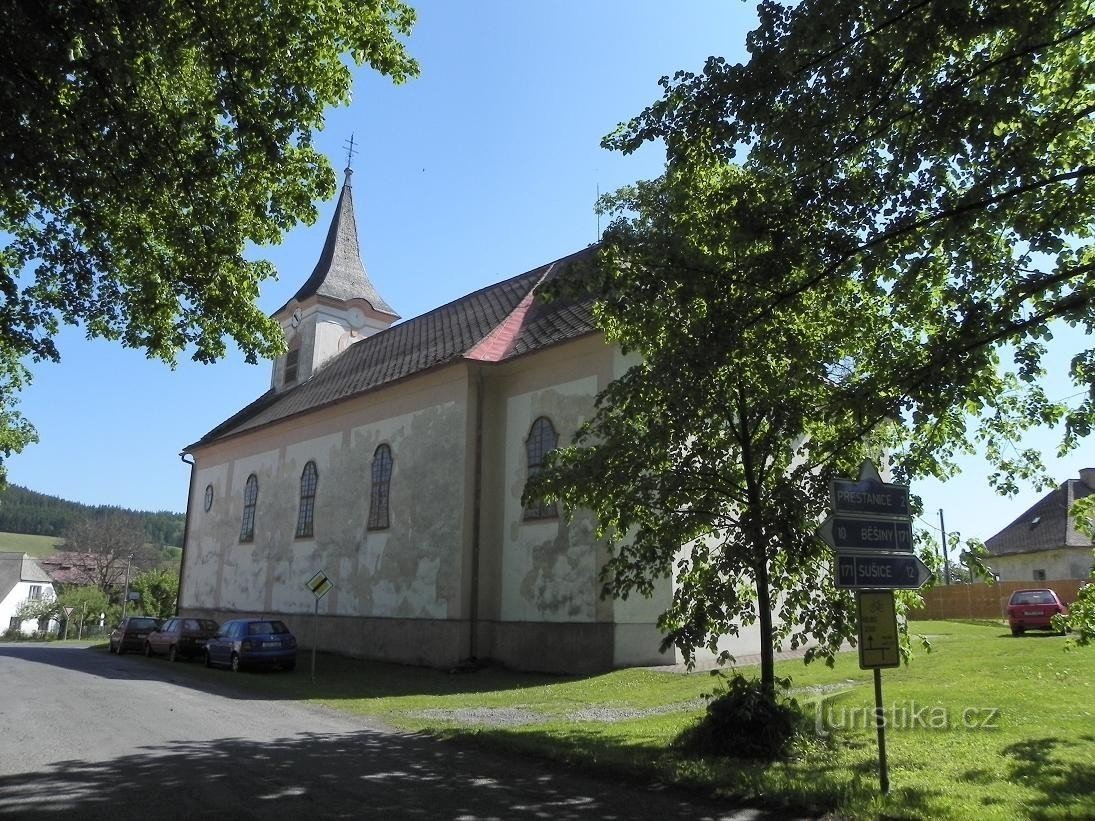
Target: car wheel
[(172, 653), (1017, 631), (289, 665), (235, 662), (208, 659)]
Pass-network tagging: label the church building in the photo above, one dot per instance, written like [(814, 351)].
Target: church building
[(392, 455)]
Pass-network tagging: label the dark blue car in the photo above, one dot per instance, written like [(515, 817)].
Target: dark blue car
[(252, 643)]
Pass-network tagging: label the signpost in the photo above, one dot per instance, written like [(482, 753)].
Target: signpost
[(68, 612), (320, 585), (863, 533), (895, 572), (878, 638), (871, 531)]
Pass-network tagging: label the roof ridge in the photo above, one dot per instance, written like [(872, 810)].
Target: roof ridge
[(495, 345)]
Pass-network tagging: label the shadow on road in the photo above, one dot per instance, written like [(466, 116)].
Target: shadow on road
[(364, 774), (337, 677)]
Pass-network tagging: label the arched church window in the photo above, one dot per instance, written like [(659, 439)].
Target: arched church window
[(542, 439), (382, 480), (306, 513), (250, 498), (208, 497)]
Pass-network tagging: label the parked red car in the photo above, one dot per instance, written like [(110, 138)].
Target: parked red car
[(1033, 610), (131, 633), (180, 638)]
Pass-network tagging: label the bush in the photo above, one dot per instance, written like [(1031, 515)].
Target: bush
[(744, 720)]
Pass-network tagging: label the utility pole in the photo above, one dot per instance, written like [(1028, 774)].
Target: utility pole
[(946, 561), (129, 563)]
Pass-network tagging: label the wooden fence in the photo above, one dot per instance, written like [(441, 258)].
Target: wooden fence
[(984, 601)]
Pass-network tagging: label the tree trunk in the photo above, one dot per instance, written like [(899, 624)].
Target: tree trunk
[(764, 619)]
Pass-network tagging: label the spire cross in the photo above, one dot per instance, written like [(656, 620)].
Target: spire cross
[(350, 151)]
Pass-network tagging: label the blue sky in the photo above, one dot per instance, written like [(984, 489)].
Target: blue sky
[(486, 166)]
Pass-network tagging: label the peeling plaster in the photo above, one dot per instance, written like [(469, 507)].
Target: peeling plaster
[(411, 569), (549, 568)]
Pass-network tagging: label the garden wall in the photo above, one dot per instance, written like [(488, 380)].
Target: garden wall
[(984, 601)]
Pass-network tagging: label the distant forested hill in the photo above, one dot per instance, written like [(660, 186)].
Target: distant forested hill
[(25, 511)]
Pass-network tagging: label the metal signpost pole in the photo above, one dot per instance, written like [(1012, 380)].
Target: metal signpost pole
[(870, 530), (315, 639), (880, 725), (319, 584), (125, 600)]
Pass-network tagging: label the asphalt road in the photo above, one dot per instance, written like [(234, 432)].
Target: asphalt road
[(85, 735)]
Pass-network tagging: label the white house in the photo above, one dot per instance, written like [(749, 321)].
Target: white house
[(23, 579), (1044, 543)]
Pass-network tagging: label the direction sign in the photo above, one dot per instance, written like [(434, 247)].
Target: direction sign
[(882, 571), (869, 496), (862, 533), (878, 640)]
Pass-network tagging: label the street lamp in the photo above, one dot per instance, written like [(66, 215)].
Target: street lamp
[(125, 600)]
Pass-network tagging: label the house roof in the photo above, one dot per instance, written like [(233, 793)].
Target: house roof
[(496, 323), (18, 567), (69, 567), (340, 274), (1046, 525)]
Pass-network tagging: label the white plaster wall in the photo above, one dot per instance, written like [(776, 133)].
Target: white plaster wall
[(1070, 563), (208, 531), (410, 570), (240, 573), (549, 567)]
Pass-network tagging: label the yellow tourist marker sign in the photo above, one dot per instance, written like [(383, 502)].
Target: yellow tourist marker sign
[(878, 640)]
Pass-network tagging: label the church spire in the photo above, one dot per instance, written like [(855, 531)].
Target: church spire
[(340, 274)]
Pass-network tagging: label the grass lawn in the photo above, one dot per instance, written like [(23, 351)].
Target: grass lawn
[(985, 726), (36, 546)]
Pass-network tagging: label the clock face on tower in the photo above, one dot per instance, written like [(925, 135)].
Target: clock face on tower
[(356, 318), (295, 321)]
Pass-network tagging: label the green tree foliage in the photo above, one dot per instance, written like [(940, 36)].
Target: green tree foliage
[(159, 589), (946, 151), (145, 145), (88, 605), (27, 511), (914, 193)]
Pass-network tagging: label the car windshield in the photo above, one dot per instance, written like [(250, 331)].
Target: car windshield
[(200, 624), (1032, 597), (266, 628), (142, 624)]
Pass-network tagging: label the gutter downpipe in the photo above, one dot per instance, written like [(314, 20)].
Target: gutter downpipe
[(476, 518), (186, 529)]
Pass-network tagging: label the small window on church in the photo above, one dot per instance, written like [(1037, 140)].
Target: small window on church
[(292, 362), (250, 498), (542, 439), (382, 480), (306, 514)]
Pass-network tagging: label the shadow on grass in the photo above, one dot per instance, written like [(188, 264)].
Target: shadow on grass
[(337, 677), (1044, 764), (811, 783), (363, 774)]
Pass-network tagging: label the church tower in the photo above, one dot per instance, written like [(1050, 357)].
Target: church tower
[(337, 306)]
